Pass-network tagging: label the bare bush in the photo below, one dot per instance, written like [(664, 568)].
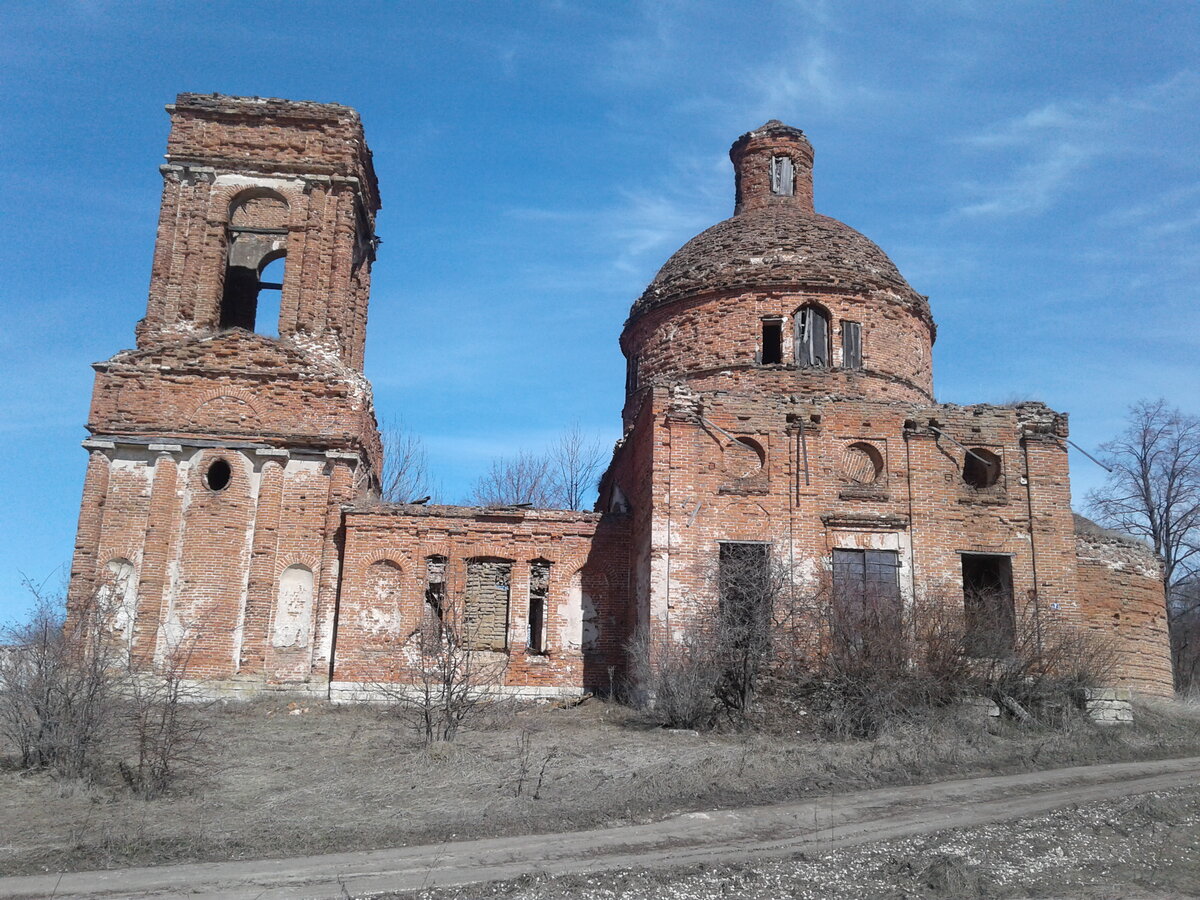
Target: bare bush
[(677, 679), (166, 722), (1049, 669), (60, 684), (849, 661), (444, 681), (73, 702)]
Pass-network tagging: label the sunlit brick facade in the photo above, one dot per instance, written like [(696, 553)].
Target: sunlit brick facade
[(779, 393)]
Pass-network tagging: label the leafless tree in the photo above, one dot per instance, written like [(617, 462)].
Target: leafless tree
[(405, 465), (523, 478), (562, 478), (575, 461), (1153, 492)]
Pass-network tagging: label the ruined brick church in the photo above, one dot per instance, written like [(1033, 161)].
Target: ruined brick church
[(779, 401)]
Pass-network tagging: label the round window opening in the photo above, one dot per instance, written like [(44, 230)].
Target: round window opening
[(218, 475), (744, 457), (981, 468), (862, 463)]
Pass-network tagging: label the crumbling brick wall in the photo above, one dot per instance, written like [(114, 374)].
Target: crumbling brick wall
[(1123, 601), (586, 591)]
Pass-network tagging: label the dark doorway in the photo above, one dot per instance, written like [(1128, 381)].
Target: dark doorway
[(988, 603)]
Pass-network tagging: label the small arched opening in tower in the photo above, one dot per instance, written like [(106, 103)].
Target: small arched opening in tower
[(257, 248)]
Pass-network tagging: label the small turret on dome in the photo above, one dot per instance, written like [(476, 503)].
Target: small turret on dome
[(773, 165)]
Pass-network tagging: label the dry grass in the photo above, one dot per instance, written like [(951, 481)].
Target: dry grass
[(334, 778)]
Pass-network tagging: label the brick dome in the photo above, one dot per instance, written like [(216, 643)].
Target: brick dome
[(777, 247), (775, 240)]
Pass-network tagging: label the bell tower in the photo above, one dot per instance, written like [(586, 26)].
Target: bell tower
[(223, 446)]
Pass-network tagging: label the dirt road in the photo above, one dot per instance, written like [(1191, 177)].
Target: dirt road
[(715, 836)]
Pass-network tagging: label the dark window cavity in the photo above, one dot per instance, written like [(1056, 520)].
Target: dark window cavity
[(988, 604), (783, 176), (218, 475), (865, 618), (539, 592), (851, 345), (745, 594), (772, 341), (981, 468), (631, 373), (435, 588), (812, 338)]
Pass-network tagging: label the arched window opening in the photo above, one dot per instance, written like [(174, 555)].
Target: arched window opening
[(539, 594), (257, 238), (852, 345), (981, 468), (812, 338), (270, 291)]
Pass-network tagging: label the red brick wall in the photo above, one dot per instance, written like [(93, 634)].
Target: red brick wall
[(384, 581), (1122, 599)]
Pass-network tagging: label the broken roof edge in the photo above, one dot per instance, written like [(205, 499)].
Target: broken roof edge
[(233, 103), (453, 511), (1086, 528)]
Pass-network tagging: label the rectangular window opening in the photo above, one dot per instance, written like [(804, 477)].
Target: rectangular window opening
[(866, 613), (991, 624), (772, 341), (539, 589), (851, 345)]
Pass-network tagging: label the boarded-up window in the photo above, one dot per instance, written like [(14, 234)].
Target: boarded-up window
[(485, 608), (865, 618), (772, 341), (539, 592), (783, 176), (631, 373), (988, 603), (851, 345), (812, 338)]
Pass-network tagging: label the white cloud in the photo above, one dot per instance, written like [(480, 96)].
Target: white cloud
[(1046, 150)]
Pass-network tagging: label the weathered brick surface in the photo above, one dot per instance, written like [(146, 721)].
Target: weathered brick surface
[(291, 574), (1121, 593), (384, 581)]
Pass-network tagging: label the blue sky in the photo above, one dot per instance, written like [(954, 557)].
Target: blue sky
[(1032, 167)]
